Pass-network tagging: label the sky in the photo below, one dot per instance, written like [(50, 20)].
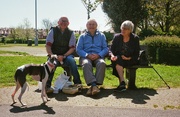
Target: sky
[(13, 13)]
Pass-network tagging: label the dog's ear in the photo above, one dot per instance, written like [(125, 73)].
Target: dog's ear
[(53, 56)]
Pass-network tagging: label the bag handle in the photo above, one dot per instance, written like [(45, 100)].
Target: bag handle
[(65, 73)]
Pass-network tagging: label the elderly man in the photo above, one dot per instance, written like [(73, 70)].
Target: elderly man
[(92, 48), (61, 41)]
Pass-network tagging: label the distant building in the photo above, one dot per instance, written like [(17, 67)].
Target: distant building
[(42, 33)]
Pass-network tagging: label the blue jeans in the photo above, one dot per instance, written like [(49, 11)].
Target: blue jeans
[(71, 64)]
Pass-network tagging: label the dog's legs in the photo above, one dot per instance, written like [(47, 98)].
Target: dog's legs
[(23, 89), (43, 91), (16, 89)]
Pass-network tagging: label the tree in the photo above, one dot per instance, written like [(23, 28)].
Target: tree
[(121, 10), (28, 31), (47, 24), (13, 34), (90, 6), (164, 15)]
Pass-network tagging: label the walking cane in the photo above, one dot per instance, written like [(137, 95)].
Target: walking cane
[(161, 78)]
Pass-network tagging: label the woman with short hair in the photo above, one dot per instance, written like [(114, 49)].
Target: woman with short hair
[(124, 52)]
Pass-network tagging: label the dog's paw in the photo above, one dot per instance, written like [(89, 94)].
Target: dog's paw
[(13, 103), (23, 105)]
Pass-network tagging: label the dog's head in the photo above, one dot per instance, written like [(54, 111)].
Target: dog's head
[(53, 59)]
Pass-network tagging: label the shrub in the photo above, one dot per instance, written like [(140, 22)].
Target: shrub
[(146, 33), (164, 49), (162, 41)]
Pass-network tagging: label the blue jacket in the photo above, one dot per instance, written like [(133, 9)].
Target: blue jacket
[(88, 44)]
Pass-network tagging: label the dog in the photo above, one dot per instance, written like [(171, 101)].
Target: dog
[(39, 72)]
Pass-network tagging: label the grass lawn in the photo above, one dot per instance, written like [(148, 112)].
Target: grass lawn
[(144, 78)]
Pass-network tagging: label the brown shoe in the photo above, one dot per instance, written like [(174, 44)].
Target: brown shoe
[(79, 86), (89, 92), (95, 90), (49, 90)]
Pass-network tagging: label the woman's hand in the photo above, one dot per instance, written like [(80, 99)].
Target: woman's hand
[(113, 58), (126, 58)]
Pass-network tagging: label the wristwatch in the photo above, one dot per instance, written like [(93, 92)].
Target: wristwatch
[(64, 56)]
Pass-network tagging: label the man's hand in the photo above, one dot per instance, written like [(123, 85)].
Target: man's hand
[(60, 58), (93, 56)]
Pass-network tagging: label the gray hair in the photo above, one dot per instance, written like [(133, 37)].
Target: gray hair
[(128, 25)]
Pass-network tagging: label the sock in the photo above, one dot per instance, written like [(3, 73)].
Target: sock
[(93, 84)]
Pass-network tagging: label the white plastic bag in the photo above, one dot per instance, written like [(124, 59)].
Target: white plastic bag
[(60, 82)]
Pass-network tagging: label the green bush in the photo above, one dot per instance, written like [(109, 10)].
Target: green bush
[(163, 49), (146, 33), (109, 36), (22, 41)]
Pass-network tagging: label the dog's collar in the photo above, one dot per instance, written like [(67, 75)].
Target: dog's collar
[(51, 65)]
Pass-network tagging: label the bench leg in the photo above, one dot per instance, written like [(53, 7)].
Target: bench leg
[(131, 76)]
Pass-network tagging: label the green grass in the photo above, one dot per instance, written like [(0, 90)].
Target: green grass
[(144, 77)]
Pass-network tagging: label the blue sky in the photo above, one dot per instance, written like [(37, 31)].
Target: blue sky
[(13, 13)]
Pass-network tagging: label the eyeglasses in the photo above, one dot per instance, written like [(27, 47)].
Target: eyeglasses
[(124, 29), (65, 21)]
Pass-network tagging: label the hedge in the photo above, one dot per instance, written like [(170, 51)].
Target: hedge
[(163, 49)]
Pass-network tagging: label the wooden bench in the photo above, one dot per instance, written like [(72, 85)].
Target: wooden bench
[(130, 72)]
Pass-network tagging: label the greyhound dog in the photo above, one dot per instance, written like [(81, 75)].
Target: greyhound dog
[(39, 72)]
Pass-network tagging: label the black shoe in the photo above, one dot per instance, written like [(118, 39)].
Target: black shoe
[(121, 87)]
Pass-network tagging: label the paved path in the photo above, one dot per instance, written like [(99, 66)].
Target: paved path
[(132, 103), (32, 50)]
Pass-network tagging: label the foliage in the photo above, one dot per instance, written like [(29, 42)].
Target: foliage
[(47, 24), (90, 6), (163, 41), (23, 32), (121, 10), (164, 49), (20, 41), (146, 33), (164, 15), (109, 36), (77, 36)]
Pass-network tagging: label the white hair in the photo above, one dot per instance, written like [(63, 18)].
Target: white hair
[(127, 24)]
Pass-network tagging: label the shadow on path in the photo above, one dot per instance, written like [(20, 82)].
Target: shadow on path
[(17, 109), (138, 96)]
